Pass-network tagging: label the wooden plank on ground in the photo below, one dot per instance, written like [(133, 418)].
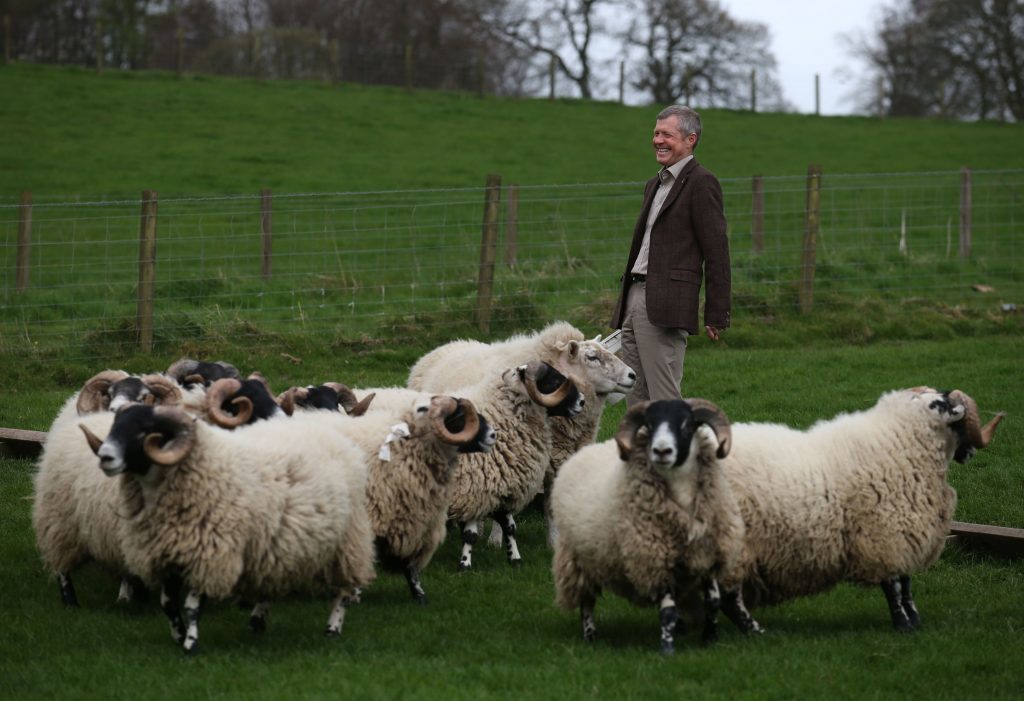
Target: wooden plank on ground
[(1000, 538), (21, 443)]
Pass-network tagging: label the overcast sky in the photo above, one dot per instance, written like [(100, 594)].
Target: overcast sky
[(805, 41)]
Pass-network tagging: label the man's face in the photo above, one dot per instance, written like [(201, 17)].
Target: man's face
[(670, 144)]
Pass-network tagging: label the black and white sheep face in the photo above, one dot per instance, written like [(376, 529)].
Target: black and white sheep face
[(136, 430), (948, 413), (608, 373), (670, 430), (127, 391)]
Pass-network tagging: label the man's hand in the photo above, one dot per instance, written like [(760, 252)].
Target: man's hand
[(712, 332)]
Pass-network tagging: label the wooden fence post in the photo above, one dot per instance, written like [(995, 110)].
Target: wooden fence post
[(488, 253), (757, 214), (511, 225), (147, 270), (7, 39), (812, 222), (965, 212), (753, 90), (551, 79), (24, 241), (266, 213), (99, 47), (622, 82), (408, 65)]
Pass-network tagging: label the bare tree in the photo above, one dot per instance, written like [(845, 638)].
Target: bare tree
[(946, 58), (560, 30), (695, 51)]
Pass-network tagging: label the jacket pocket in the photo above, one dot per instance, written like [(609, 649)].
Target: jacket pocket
[(683, 275)]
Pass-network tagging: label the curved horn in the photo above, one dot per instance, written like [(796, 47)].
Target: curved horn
[(628, 427), (363, 406), (289, 399), (706, 412), (94, 441), (442, 407), (535, 371), (91, 398), (346, 397), (978, 435), (163, 388), (219, 392), (182, 437), (258, 376)]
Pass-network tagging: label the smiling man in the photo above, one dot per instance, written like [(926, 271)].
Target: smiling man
[(679, 241)]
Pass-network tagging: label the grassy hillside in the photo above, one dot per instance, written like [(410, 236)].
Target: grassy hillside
[(67, 131)]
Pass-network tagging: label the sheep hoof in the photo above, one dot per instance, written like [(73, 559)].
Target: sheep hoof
[(191, 650), (518, 562), (332, 632), (709, 638), (257, 624), (421, 600), (465, 567), (668, 649)]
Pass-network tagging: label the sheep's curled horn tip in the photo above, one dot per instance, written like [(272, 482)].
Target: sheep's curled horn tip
[(348, 401), (537, 370), (978, 435), (628, 427), (163, 389), (218, 393), (443, 407), (708, 413), (90, 399)]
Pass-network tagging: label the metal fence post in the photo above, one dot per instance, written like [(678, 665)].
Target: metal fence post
[(511, 225)]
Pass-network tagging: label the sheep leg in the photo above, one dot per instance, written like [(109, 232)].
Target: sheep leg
[(712, 604), (412, 576), (170, 594), (508, 525), (258, 617), (126, 592), (342, 601), (736, 611), (192, 608), (587, 618), (497, 537), (67, 590), (668, 617), (907, 602), (894, 597), (470, 533)]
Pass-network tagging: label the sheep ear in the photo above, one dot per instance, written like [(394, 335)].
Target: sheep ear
[(574, 349)]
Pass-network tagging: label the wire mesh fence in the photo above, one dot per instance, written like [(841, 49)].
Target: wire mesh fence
[(346, 264)]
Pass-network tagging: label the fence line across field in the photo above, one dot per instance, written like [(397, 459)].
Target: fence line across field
[(156, 268)]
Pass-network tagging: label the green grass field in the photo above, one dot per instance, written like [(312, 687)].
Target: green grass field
[(881, 321)]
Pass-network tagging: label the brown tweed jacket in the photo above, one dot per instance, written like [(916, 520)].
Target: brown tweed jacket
[(688, 241)]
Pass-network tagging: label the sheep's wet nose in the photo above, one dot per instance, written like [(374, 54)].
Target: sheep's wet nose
[(662, 452)]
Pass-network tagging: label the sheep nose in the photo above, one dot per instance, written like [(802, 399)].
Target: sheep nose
[(631, 375)]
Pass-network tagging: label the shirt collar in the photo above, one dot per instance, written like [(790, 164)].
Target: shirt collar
[(674, 169)]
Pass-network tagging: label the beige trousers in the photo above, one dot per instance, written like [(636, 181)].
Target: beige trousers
[(655, 353)]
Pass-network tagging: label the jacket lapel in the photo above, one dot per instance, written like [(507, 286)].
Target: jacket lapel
[(677, 187)]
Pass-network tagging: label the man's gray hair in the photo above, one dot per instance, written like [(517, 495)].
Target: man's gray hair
[(687, 120)]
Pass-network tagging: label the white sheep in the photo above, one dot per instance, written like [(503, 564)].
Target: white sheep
[(598, 374), (256, 512), (74, 513), (500, 483), (862, 497), (411, 453), (650, 516)]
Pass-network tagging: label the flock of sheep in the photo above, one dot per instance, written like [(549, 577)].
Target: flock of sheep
[(211, 487)]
